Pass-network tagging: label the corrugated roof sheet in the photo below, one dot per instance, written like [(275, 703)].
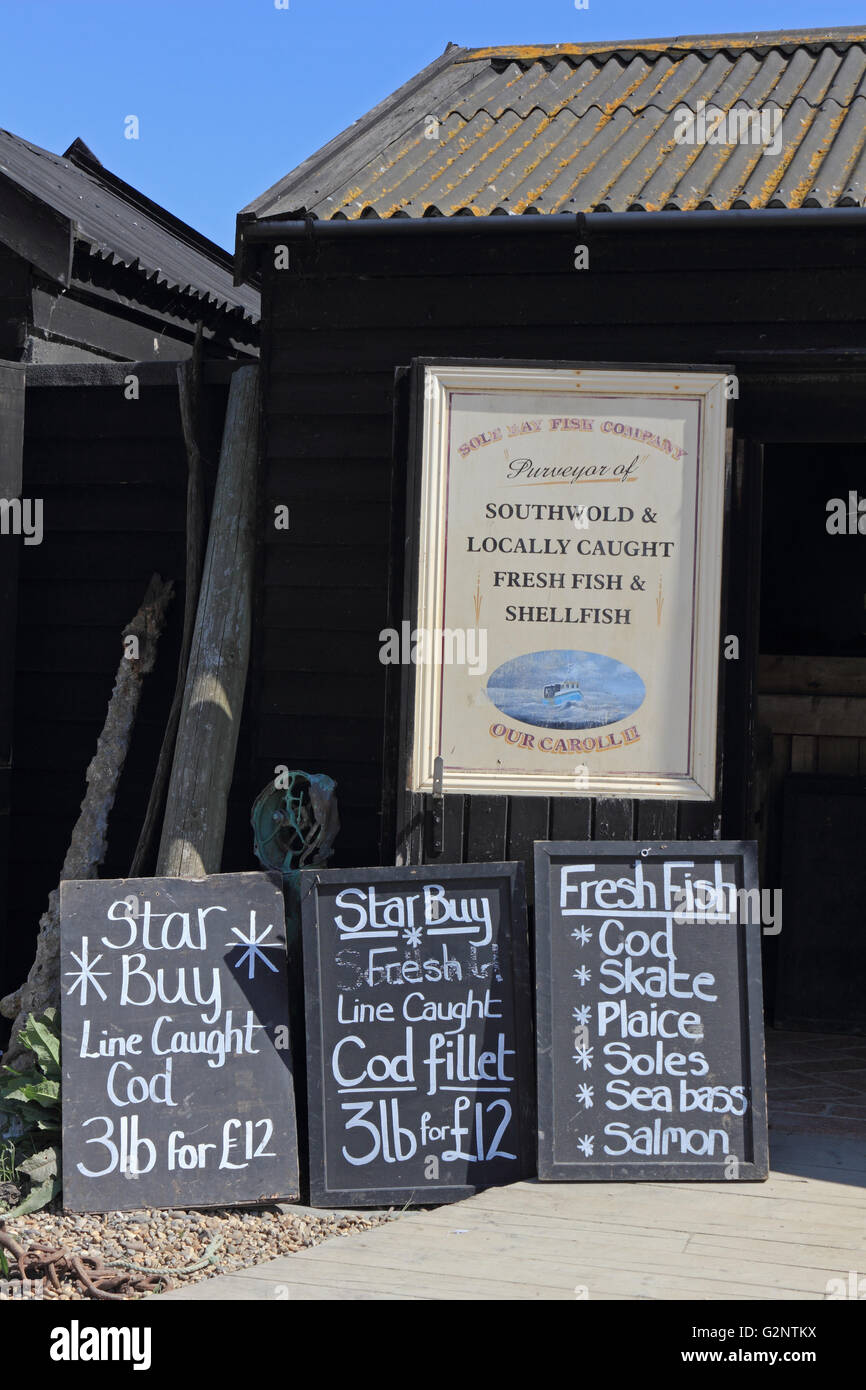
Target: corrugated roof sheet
[(594, 127), (123, 227)]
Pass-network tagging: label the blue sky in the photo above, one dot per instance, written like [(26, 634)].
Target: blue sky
[(232, 94)]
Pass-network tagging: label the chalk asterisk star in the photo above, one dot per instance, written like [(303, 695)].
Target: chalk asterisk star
[(255, 948), (412, 936), (583, 1057), (585, 1145), (582, 934), (583, 975), (583, 1013), (584, 1094), (87, 974)]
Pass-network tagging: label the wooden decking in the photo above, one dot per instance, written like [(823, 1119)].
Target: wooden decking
[(783, 1239)]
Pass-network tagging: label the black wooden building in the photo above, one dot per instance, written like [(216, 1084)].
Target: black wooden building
[(97, 283), (93, 270), (443, 224)]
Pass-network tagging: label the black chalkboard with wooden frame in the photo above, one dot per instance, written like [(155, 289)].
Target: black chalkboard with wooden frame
[(177, 1066), (419, 1044), (649, 1011)]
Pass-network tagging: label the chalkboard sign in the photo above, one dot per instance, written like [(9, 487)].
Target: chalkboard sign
[(650, 1027), (177, 1072), (419, 1065)]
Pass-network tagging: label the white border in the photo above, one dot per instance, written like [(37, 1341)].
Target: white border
[(699, 785)]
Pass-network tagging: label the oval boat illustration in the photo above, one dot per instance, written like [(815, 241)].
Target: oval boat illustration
[(566, 689)]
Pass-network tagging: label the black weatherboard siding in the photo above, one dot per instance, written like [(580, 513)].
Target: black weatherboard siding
[(417, 232), (786, 307)]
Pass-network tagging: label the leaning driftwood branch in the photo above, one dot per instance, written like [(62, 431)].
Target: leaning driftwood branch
[(188, 380), (87, 846)]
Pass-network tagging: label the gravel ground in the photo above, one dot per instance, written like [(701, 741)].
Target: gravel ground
[(184, 1246)]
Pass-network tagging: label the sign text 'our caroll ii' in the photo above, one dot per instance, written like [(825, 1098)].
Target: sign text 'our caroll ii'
[(417, 1031)]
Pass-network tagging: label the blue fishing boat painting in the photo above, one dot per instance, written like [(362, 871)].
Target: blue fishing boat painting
[(566, 689), (563, 693)]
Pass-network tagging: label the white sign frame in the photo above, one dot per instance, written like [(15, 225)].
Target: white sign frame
[(707, 389)]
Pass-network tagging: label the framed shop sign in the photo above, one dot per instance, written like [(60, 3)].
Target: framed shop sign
[(562, 611)]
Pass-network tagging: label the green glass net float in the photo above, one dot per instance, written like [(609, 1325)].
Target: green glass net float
[(295, 823)]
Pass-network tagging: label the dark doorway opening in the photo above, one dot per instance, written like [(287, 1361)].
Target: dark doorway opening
[(812, 720)]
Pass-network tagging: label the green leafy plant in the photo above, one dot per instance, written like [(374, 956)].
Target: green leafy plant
[(7, 1161), (30, 1117)]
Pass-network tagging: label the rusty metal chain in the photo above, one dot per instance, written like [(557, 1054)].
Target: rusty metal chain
[(92, 1276)]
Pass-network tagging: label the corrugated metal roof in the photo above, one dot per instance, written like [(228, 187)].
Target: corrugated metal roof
[(123, 227), (595, 127)]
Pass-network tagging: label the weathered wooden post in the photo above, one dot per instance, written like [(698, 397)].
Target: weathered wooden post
[(204, 755), (189, 387)]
